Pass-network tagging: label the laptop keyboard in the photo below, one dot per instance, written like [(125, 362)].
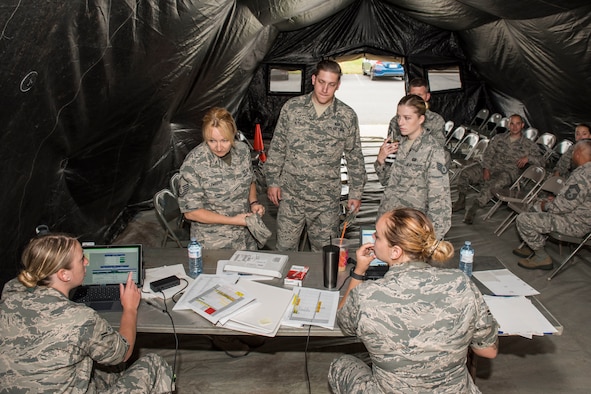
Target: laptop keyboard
[(97, 293)]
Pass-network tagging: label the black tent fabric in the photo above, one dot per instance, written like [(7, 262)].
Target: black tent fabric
[(102, 100)]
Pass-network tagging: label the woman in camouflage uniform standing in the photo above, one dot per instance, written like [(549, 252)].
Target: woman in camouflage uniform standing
[(418, 176), (418, 321), (217, 190), (51, 344)]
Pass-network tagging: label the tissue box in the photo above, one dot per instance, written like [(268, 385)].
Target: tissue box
[(296, 275)]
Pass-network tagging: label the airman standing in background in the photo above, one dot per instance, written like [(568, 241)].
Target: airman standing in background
[(304, 161)]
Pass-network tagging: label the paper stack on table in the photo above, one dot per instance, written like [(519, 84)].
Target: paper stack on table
[(257, 263), (503, 282), (518, 316), (312, 307), (234, 276), (264, 317), (241, 305), (515, 313)]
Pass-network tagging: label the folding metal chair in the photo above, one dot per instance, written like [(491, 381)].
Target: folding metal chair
[(174, 183), (489, 128), (502, 127), (546, 142), (559, 150), (580, 242), (479, 119), (550, 185), (167, 211), (456, 136), (465, 146), (531, 133), (449, 126), (474, 156), (521, 191)]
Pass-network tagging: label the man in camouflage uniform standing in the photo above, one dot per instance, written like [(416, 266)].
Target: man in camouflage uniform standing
[(303, 164), (569, 213), (505, 158)]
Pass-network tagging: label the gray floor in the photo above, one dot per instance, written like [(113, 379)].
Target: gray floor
[(549, 364)]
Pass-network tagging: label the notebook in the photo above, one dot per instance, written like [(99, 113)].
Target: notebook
[(108, 266), (377, 268)]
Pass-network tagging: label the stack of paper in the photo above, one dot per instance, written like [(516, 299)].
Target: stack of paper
[(503, 282), (264, 317), (518, 316), (312, 307), (241, 305), (515, 313), (257, 263), (234, 276)]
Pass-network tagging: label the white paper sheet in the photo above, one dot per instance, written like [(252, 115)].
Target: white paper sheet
[(154, 274), (264, 317), (312, 307), (234, 276), (503, 282), (518, 316)]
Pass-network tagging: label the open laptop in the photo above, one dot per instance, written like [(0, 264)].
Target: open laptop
[(108, 266), (377, 268)]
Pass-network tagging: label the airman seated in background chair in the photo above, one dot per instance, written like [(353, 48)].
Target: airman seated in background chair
[(569, 213), (564, 165), (507, 155)]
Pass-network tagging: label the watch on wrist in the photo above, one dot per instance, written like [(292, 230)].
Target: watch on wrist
[(353, 275)]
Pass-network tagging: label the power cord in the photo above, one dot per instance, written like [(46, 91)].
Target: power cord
[(306, 359), (176, 338), (164, 309)]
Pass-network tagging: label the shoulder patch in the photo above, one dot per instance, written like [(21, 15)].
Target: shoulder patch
[(183, 187), (442, 168), (572, 192)]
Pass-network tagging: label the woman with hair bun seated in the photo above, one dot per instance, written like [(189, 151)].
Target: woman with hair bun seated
[(51, 344), (418, 321)]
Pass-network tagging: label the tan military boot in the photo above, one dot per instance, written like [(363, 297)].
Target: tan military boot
[(460, 203), (524, 251), (536, 264)]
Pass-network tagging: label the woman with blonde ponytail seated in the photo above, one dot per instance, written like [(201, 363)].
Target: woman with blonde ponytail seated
[(418, 321), (51, 344)]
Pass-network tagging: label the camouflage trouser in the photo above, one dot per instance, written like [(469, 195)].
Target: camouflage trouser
[(348, 374), (472, 175), (149, 374), (320, 218), (533, 225)]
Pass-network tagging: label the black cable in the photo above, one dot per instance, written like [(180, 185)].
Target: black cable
[(180, 291), (345, 281), (306, 360), (176, 341)]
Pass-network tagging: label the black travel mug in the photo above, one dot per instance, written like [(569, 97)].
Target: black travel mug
[(330, 260)]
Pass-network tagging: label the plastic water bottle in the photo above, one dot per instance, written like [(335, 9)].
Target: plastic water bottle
[(195, 260), (467, 258)]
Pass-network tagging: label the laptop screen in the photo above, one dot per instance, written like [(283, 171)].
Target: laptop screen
[(366, 236), (110, 264)]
